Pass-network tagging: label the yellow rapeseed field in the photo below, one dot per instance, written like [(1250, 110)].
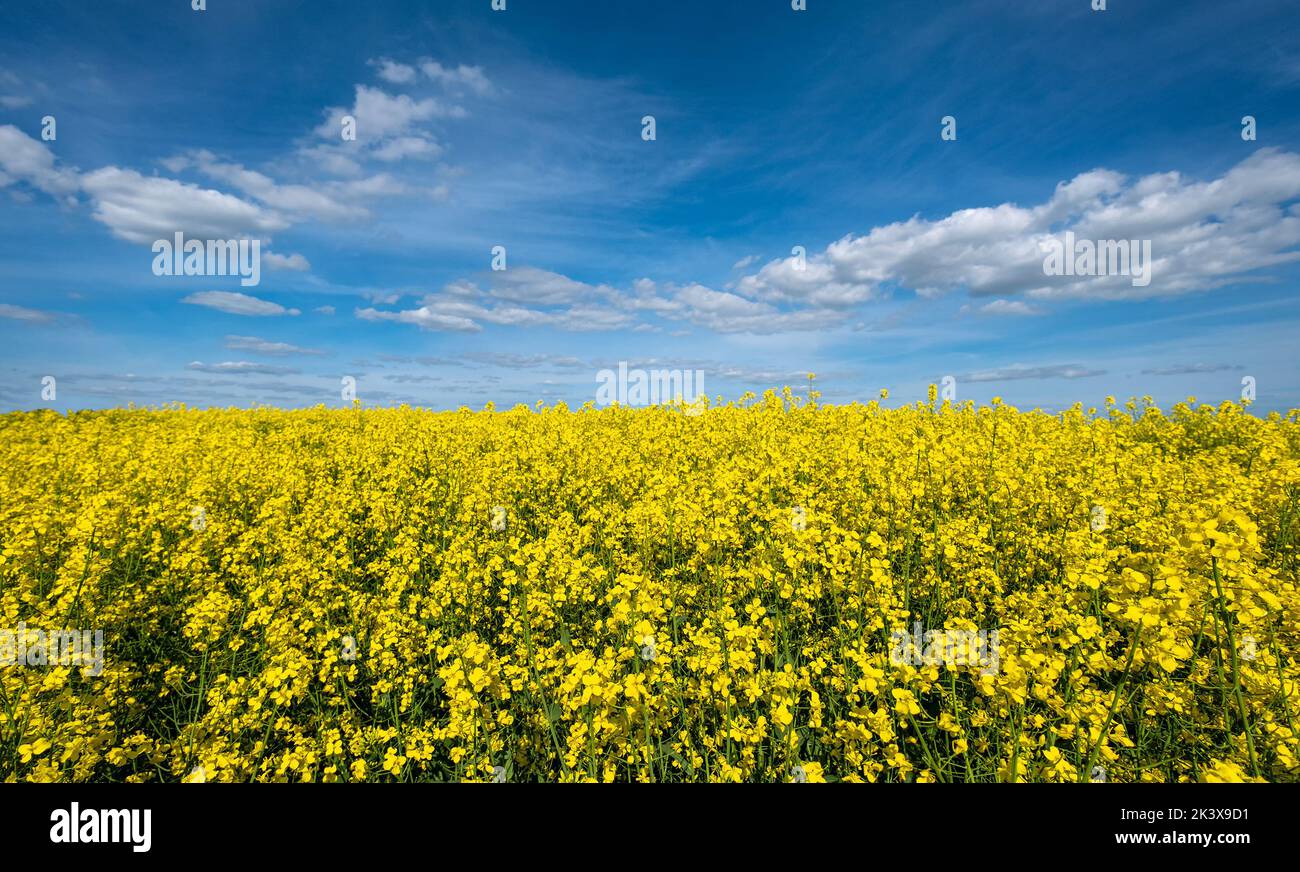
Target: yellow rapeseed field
[(655, 594)]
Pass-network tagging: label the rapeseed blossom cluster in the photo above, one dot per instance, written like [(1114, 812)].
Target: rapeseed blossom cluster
[(654, 594)]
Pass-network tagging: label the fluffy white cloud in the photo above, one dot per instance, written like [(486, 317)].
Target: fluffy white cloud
[(1203, 234), (338, 159), (146, 208), (393, 127), (24, 159), (423, 317), (380, 115), (391, 71), (710, 303), (402, 147), (378, 185), (531, 297), (508, 315), (528, 284), (462, 76), (294, 262), (726, 312), (463, 306), (818, 281), (301, 201), (142, 209), (1006, 307)]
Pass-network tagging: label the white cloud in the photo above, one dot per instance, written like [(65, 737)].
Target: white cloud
[(178, 163), (391, 71), (707, 302), (294, 262), (819, 281), (31, 316), (389, 128), (461, 76), (380, 115), (464, 306), (241, 367), (1204, 234), (532, 297), (235, 303), (338, 159), (1008, 307), (266, 346), (423, 317), (379, 185), (725, 312), (142, 209), (146, 208), (1018, 371), (508, 360), (25, 159), (528, 284), (586, 307), (402, 147), (300, 200)]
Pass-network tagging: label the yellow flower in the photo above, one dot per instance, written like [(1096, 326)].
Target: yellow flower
[(905, 702), (34, 749), (650, 612)]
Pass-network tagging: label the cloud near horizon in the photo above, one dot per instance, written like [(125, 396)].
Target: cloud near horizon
[(1203, 235)]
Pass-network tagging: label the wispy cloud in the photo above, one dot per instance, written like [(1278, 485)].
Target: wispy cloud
[(423, 317), (235, 303), (1017, 372), (264, 346), (31, 316), (241, 367), (1192, 369)]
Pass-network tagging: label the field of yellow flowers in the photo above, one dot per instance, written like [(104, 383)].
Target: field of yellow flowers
[(656, 594)]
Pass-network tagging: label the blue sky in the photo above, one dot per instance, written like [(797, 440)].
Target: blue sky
[(522, 128)]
